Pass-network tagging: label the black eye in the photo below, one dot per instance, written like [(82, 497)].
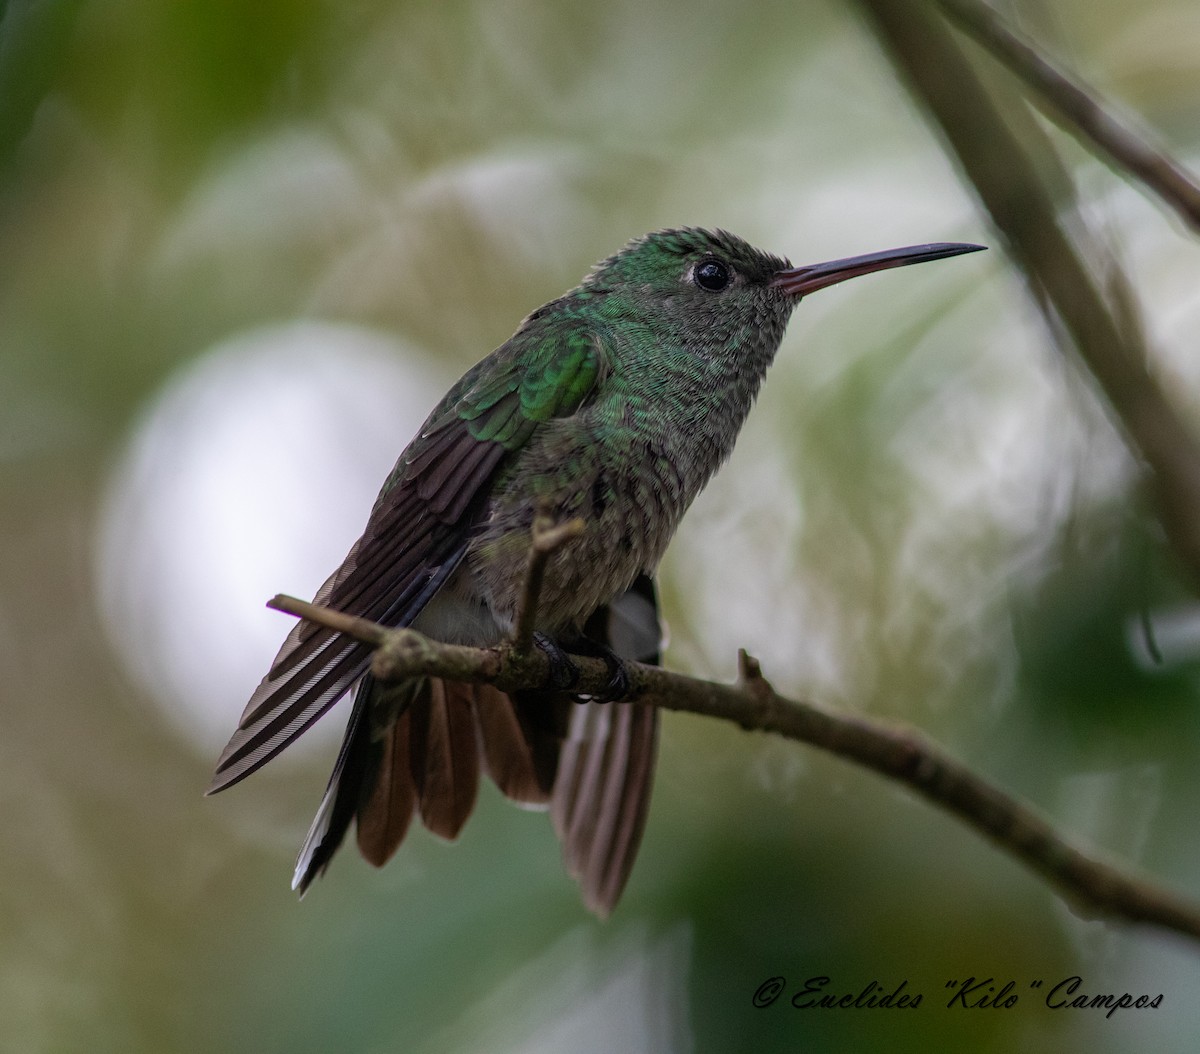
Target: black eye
[(711, 275)]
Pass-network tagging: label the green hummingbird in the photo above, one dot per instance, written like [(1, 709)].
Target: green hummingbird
[(614, 403)]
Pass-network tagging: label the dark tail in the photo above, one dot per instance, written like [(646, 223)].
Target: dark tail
[(417, 749)]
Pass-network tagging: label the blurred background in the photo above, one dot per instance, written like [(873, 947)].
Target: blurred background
[(243, 250)]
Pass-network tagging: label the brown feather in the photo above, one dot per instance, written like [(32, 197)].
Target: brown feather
[(578, 785), (443, 486), (602, 796), (386, 806), (606, 810), (545, 718), (603, 886), (445, 756), (508, 753)]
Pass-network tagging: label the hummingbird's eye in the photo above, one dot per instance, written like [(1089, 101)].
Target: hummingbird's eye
[(711, 275)]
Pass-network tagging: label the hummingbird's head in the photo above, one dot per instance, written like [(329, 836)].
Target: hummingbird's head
[(693, 289), (712, 290)]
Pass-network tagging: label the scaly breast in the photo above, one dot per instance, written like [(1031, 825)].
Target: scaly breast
[(628, 465), (628, 489)]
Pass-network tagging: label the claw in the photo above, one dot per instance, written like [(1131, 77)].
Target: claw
[(564, 674), (618, 683)]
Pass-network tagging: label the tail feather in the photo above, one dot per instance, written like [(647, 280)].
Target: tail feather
[(602, 796), (386, 803), (417, 748), (605, 879), (513, 752), (445, 753)]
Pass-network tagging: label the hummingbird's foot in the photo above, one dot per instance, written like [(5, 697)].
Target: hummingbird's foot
[(564, 674), (618, 684)]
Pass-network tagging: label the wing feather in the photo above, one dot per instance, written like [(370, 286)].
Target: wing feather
[(406, 553)]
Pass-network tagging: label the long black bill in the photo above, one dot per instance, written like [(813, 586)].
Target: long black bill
[(800, 281)]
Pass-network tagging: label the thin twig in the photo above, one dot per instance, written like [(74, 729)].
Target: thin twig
[(1096, 888), (359, 628), (1079, 109), (547, 536)]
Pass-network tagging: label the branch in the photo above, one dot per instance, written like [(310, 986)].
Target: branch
[(1094, 887), (1077, 109), (1006, 171)]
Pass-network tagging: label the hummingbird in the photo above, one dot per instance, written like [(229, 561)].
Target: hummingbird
[(614, 403)]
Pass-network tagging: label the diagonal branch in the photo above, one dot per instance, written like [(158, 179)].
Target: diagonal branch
[(1077, 108), (1093, 886)]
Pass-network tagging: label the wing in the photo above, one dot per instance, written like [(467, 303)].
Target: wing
[(418, 530)]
